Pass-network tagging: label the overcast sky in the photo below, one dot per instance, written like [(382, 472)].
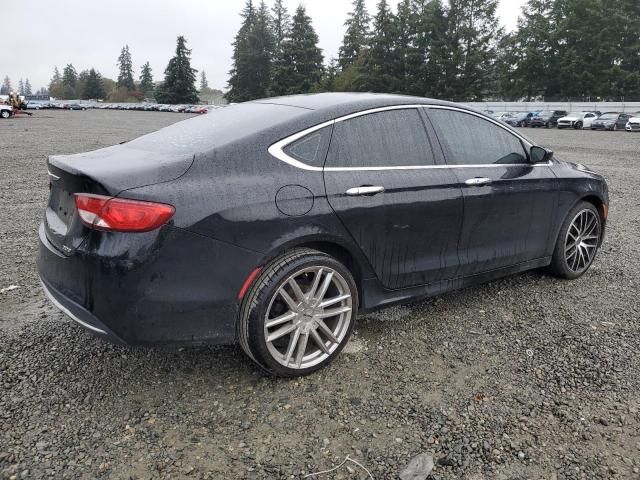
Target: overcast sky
[(42, 34)]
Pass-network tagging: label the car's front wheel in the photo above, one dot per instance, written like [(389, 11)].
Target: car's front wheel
[(5, 113), (299, 313), (578, 241), (578, 126)]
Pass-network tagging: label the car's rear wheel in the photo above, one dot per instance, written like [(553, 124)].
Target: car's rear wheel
[(578, 242), (299, 313)]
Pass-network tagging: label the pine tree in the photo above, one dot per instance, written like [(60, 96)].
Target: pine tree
[(146, 80), (281, 24), (251, 74), (533, 49), (21, 87), (356, 36), (179, 78), (300, 65), (93, 86), (473, 32), (204, 84), (125, 77), (6, 86), (69, 80), (27, 87), (56, 88), (381, 63)]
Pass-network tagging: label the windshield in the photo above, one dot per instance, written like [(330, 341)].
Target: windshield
[(609, 116)]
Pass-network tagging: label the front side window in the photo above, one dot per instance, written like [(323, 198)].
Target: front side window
[(471, 140), (391, 138)]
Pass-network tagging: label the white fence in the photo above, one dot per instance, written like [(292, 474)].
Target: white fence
[(627, 107)]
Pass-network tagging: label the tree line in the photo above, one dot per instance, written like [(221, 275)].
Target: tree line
[(177, 86), (456, 51)]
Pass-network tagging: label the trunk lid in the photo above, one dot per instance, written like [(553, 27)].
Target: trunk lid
[(108, 171)]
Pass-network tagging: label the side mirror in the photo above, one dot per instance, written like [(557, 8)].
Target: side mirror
[(540, 155)]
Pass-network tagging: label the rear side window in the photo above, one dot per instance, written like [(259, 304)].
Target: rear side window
[(311, 149), (471, 140), (393, 138)]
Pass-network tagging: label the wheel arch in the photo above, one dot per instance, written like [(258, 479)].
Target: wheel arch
[(348, 255), (597, 202)]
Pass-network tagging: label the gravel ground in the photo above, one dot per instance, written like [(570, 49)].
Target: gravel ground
[(529, 377)]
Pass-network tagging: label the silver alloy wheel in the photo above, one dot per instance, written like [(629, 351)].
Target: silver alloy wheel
[(582, 240), (308, 317)]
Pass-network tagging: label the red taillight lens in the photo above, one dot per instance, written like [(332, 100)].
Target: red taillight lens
[(121, 215)]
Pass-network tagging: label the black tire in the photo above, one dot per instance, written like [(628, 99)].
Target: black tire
[(578, 126), (5, 113), (264, 292), (547, 125), (559, 263)]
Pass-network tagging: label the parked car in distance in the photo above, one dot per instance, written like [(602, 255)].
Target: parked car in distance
[(31, 105), (520, 119), (5, 110), (547, 118), (633, 125), (273, 223), (577, 120), (502, 115), (75, 106), (611, 121)]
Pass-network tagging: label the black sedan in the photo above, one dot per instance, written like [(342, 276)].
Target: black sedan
[(520, 119), (611, 121), (547, 119), (273, 223)]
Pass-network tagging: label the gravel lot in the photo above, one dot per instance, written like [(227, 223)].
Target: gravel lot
[(524, 378)]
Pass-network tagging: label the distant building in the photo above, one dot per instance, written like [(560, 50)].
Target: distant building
[(213, 97)]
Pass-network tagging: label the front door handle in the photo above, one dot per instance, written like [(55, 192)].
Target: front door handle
[(478, 181), (365, 191)]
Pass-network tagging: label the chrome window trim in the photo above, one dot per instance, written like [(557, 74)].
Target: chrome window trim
[(277, 149)]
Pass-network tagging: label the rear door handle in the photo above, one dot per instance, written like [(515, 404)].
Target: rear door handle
[(365, 191), (478, 181)]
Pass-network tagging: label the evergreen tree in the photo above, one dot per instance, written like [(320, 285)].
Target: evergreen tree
[(93, 86), (381, 62), (27, 87), (56, 88), (21, 87), (281, 24), (125, 77), (179, 78), (300, 65), (250, 76), (204, 84), (535, 47), (69, 80), (473, 32), (356, 36), (6, 86), (146, 80)]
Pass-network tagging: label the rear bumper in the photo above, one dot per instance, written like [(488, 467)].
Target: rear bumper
[(166, 286)]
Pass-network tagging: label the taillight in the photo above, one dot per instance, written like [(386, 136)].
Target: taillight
[(121, 215)]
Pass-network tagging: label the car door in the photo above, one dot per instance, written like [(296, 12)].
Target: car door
[(391, 192), (508, 202)]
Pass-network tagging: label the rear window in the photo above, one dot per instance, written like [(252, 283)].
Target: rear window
[(218, 127)]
